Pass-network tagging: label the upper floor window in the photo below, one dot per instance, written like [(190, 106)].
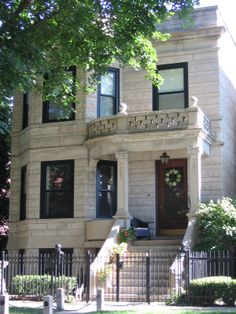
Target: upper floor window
[(57, 189), (25, 111), (106, 188), (173, 93), (23, 191), (54, 111), (108, 93)]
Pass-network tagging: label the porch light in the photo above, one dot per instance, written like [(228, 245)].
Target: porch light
[(164, 158)]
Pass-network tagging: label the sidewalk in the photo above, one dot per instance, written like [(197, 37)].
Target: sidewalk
[(83, 307)]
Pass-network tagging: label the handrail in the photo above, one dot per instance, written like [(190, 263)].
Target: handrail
[(103, 256), (177, 268)]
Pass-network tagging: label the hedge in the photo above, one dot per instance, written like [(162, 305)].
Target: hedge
[(208, 290), (40, 285)]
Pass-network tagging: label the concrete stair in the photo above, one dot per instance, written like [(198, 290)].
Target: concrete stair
[(134, 270), (158, 244)]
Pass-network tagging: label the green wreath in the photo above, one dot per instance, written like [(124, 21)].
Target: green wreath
[(173, 177)]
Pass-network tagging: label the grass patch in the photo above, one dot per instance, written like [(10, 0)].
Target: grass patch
[(167, 311), (24, 310)]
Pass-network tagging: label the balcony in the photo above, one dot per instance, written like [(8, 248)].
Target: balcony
[(153, 121)]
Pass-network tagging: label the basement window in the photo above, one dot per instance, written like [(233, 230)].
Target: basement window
[(49, 263)]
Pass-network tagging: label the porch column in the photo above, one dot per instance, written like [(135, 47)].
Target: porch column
[(194, 177), (122, 185)]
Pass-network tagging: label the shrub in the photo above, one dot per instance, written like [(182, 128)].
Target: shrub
[(40, 285), (125, 235), (103, 274), (206, 291), (217, 225)]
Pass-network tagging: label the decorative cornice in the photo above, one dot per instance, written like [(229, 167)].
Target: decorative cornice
[(209, 32)]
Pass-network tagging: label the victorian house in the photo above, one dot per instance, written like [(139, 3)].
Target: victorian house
[(130, 149)]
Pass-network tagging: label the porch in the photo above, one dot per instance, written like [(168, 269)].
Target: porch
[(137, 140)]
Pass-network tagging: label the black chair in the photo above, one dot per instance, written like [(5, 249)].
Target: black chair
[(141, 228)]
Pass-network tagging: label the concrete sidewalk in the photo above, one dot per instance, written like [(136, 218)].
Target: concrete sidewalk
[(83, 307)]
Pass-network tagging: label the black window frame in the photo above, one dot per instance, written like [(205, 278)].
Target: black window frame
[(25, 111), (44, 165), (184, 66), (46, 104), (23, 193), (113, 210), (116, 98)]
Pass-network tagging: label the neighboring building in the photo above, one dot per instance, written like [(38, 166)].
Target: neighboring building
[(72, 172)]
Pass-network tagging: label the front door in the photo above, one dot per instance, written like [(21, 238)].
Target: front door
[(172, 199)]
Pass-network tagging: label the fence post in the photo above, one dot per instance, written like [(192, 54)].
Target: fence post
[(186, 252), (60, 298), (47, 305), (4, 304), (87, 278), (2, 272), (117, 277), (148, 277)]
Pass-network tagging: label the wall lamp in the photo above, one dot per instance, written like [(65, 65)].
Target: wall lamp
[(164, 158)]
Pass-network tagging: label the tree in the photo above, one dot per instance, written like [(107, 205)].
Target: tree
[(47, 36)]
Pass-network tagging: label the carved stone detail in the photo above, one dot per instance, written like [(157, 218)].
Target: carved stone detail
[(150, 122)]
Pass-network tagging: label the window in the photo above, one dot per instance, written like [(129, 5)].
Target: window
[(21, 255), (173, 93), (106, 188), (23, 191), (108, 93), (57, 189), (50, 262), (55, 112), (25, 112)]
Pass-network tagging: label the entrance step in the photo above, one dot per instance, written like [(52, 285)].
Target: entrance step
[(133, 273), (162, 243)]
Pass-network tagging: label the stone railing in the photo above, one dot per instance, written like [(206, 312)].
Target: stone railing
[(149, 122), (103, 256)]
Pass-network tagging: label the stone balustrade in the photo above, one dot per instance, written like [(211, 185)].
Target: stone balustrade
[(152, 121)]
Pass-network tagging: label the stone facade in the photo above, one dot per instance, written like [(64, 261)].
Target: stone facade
[(203, 134)]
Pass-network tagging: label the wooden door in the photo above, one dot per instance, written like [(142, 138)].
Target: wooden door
[(172, 195)]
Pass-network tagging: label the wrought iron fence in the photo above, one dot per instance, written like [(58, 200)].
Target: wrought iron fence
[(138, 277), (210, 277), (37, 275)]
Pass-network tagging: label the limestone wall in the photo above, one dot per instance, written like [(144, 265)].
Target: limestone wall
[(209, 80)]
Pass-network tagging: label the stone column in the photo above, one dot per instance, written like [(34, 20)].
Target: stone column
[(122, 186), (194, 178)]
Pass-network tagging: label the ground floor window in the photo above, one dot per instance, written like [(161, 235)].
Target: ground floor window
[(57, 189), (106, 188)]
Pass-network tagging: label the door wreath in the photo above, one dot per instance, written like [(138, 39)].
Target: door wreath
[(173, 177)]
